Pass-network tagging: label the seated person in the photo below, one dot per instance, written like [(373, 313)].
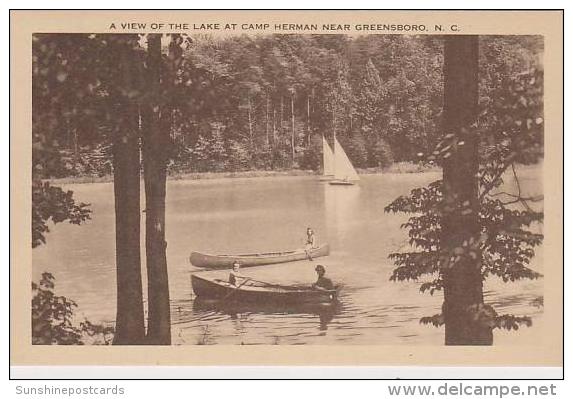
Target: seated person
[(322, 283), (235, 277), (310, 239)]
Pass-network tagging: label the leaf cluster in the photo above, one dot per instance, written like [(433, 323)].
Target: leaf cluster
[(510, 131), (53, 316), (50, 203)]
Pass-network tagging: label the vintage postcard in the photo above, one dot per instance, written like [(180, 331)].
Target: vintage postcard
[(287, 188)]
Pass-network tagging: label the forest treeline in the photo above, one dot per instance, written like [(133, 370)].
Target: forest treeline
[(259, 102)]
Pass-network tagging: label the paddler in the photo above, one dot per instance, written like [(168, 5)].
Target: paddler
[(235, 277), (310, 239), (322, 283), (310, 243)]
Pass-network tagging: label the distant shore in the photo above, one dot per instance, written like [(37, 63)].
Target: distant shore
[(399, 167)]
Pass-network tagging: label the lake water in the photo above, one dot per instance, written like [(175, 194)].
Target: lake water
[(268, 214)]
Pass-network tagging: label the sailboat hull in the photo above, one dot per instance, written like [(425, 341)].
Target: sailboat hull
[(341, 183)]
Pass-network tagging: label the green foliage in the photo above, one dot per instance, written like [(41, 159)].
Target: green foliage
[(370, 100), (436, 320), (510, 130), (52, 319), (312, 155), (382, 155), (76, 87), (507, 243), (390, 90), (340, 99), (239, 157), (356, 149), (261, 157), (88, 161), (209, 153), (400, 96), (243, 83), (511, 322), (53, 204), (487, 315)]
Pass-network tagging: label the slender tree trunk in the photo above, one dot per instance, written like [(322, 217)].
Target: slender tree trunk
[(292, 142), (267, 120), (308, 119), (156, 128), (76, 148), (333, 126), (274, 126), (72, 139), (282, 113), (249, 111), (68, 132), (130, 326), (463, 289)]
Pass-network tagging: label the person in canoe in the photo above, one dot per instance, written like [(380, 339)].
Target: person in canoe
[(322, 283), (310, 239), (310, 243), (235, 277)]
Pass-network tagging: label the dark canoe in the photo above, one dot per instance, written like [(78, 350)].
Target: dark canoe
[(226, 261), (213, 288), (228, 306)]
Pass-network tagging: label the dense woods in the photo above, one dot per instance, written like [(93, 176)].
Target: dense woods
[(249, 103), (262, 103)]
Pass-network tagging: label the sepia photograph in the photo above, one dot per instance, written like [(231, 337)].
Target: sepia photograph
[(376, 187)]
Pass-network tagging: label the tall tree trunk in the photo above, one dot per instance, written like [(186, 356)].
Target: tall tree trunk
[(292, 141), (463, 288), (267, 120), (274, 126), (308, 119), (156, 128), (130, 326), (333, 126), (76, 148), (250, 118), (282, 114)]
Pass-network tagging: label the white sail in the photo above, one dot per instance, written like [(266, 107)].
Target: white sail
[(343, 169), (327, 159)]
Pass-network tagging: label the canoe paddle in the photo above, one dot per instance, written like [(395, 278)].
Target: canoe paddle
[(298, 287), (236, 288)]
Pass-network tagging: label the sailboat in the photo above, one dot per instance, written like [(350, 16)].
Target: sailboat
[(344, 172), (327, 161)]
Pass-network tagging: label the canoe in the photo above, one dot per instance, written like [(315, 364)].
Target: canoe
[(326, 310), (214, 288), (226, 261)]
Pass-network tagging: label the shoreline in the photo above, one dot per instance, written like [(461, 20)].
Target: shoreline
[(397, 168)]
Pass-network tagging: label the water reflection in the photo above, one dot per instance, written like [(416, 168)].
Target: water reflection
[(239, 312), (341, 204)]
